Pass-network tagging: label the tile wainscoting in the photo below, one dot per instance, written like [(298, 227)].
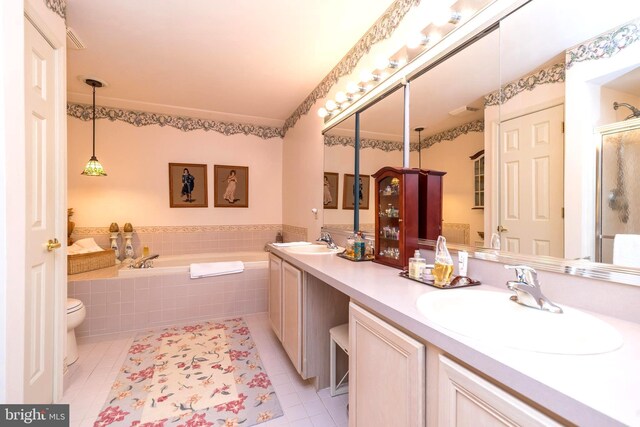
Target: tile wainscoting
[(180, 240), (292, 233), (133, 303)]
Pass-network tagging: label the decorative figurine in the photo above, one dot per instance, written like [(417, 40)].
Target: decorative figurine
[(114, 230), (128, 245), (70, 226)]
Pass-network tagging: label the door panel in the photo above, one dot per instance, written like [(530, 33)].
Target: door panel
[(40, 69), (532, 198)]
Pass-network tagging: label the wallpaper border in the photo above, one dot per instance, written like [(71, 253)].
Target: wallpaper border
[(186, 124), (605, 45), (58, 6), (553, 74)]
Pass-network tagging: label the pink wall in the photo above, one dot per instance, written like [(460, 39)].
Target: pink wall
[(136, 189)]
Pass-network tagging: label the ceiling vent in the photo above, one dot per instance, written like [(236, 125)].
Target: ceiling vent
[(73, 40), (462, 111)]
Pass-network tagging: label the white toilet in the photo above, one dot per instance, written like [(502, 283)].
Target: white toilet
[(76, 313)]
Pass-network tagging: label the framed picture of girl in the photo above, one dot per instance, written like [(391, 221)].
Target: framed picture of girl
[(187, 185), (362, 189), (330, 191), (230, 186)]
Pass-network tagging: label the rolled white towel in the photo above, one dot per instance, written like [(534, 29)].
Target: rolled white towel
[(215, 269), (289, 244), (84, 246), (626, 250)]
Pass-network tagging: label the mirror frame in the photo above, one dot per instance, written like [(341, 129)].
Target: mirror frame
[(485, 21)]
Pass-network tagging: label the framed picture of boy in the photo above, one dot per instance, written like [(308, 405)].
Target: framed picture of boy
[(187, 185), (362, 190), (230, 186)]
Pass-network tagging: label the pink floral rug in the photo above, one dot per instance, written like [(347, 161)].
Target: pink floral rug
[(205, 374)]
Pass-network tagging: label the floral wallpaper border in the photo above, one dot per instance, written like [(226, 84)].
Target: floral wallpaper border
[(349, 141), (552, 74), (605, 45), (185, 124), (385, 145), (182, 228), (451, 134), (58, 6), (381, 29)]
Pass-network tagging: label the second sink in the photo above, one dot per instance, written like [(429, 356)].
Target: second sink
[(490, 316)]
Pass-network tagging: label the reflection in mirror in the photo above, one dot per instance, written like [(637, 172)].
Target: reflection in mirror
[(541, 172), (339, 158), (380, 145), (447, 113)]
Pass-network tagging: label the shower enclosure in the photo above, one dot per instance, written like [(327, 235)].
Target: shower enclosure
[(618, 185)]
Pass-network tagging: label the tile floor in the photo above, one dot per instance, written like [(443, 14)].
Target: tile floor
[(89, 380)]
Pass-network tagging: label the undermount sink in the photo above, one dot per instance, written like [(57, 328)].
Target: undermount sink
[(313, 250), (490, 316)]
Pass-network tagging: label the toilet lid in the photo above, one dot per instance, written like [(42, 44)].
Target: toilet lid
[(73, 305)]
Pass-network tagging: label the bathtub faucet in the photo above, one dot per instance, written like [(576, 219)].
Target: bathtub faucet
[(144, 261)]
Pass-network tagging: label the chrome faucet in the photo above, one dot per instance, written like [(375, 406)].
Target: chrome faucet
[(325, 237), (144, 261), (527, 289)]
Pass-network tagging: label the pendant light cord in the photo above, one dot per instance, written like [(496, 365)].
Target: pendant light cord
[(94, 120)]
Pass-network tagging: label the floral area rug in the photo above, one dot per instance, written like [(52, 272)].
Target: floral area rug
[(205, 374)]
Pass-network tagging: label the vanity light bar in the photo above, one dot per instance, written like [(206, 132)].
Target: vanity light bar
[(344, 100)]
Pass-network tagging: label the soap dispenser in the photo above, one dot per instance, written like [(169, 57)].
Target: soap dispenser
[(416, 265), (443, 266)]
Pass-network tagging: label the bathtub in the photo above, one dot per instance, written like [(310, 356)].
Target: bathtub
[(148, 298), (180, 263)]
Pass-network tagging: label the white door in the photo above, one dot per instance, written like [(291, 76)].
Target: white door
[(40, 221), (532, 183)]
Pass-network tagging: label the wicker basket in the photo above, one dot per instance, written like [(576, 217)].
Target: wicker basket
[(80, 263)]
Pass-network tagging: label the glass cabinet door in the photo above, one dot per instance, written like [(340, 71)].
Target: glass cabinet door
[(389, 218)]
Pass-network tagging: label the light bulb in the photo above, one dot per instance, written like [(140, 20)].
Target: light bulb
[(353, 87), (402, 61), (366, 76), (441, 15), (344, 105), (331, 105), (322, 112), (381, 62), (341, 97), (416, 40), (434, 37)]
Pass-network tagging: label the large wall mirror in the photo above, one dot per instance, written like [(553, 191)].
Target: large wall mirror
[(380, 144), (534, 122)]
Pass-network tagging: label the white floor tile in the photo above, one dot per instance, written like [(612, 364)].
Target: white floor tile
[(315, 407), (289, 400), (305, 422), (296, 412), (322, 420)]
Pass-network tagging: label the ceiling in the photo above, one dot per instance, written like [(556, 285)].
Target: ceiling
[(249, 58)]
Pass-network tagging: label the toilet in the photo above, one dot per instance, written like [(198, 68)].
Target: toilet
[(76, 313)]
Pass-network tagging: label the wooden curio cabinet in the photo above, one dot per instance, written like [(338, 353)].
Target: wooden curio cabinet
[(430, 209), (397, 216)]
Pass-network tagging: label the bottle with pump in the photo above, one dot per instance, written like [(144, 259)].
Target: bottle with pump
[(416, 265), (349, 249), (443, 266), (358, 247)]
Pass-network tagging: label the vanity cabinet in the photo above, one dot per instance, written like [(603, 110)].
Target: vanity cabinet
[(466, 399), (275, 294), (292, 313), (397, 218), (302, 309), (285, 307), (386, 373)]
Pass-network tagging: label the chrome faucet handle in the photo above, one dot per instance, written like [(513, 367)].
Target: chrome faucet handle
[(527, 289)]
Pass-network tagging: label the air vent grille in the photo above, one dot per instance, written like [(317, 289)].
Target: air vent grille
[(74, 40)]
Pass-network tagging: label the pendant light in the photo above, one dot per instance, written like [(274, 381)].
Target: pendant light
[(93, 167)]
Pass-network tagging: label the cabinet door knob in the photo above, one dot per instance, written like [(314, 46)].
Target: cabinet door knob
[(501, 229), (53, 244)]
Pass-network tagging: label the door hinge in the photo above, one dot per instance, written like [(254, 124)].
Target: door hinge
[(562, 127), (562, 213)]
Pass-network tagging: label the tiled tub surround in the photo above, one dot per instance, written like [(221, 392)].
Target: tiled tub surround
[(166, 296), (178, 240)]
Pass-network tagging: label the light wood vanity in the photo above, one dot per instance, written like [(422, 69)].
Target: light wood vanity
[(406, 371)]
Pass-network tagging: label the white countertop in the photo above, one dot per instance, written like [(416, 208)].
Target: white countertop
[(591, 390)]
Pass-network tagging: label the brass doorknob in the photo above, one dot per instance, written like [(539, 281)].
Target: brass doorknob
[(501, 229), (53, 244)]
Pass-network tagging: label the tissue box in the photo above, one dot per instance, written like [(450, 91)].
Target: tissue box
[(80, 263)]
